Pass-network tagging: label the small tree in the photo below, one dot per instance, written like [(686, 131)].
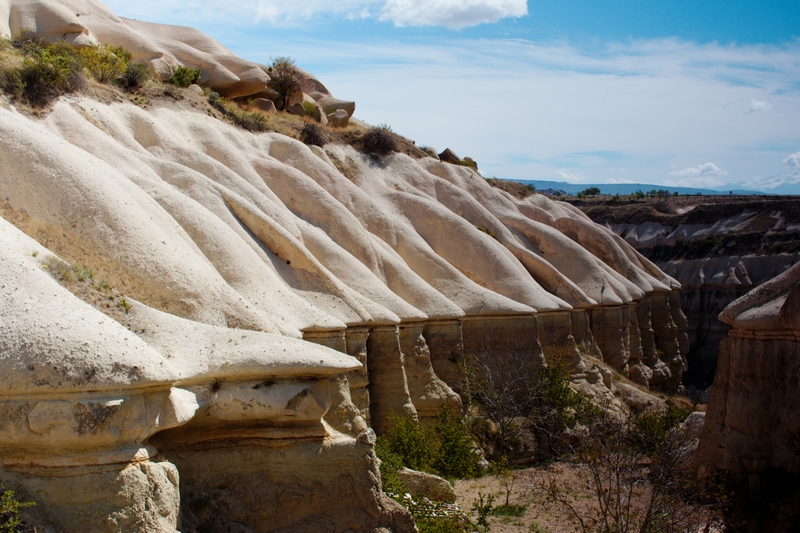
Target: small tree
[(591, 191), (285, 79)]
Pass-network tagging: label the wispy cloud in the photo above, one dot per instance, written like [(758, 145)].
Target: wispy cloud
[(657, 106), (758, 105), (706, 169), (453, 14)]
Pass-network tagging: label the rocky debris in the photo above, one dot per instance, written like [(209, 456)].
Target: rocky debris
[(331, 105), (427, 485), (448, 156)]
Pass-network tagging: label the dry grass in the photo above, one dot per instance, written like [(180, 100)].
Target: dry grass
[(82, 282), (515, 189)]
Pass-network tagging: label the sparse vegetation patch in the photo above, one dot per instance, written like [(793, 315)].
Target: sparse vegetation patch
[(184, 76)]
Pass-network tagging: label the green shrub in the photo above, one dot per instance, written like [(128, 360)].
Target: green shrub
[(105, 63), (10, 507), (436, 517), (135, 76), (430, 151), (456, 457), (444, 448), (415, 445), (184, 76), (311, 110), (46, 72), (650, 429)]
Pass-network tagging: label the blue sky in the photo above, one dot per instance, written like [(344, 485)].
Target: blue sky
[(692, 93)]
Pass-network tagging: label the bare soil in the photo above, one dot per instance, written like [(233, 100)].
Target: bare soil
[(538, 517)]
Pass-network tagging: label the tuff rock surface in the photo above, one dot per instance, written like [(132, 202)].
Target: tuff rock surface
[(276, 308)]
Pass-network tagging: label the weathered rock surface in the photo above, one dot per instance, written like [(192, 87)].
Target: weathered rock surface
[(232, 248)]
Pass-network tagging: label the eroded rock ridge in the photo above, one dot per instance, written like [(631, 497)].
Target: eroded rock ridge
[(277, 309)]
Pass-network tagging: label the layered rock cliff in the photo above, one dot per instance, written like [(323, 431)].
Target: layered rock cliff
[(279, 300), (718, 248)]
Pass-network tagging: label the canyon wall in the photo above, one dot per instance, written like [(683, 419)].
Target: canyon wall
[(257, 306), (752, 427), (717, 248)]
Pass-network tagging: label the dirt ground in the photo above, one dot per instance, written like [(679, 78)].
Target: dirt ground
[(537, 518)]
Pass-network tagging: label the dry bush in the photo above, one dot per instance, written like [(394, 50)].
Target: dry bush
[(379, 141), (641, 475), (254, 121), (135, 76), (313, 135)]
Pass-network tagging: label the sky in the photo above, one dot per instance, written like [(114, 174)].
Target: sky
[(685, 93)]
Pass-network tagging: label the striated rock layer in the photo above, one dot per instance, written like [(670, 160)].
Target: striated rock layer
[(753, 417), (276, 307), (753, 420), (718, 248)]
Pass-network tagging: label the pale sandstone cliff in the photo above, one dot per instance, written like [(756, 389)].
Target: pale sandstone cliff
[(234, 247)]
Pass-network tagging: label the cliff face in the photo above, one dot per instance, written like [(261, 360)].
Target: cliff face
[(753, 419), (717, 248), (280, 301), (752, 424)]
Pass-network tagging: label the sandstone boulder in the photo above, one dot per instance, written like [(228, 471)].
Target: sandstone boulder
[(427, 485), (338, 119), (448, 156), (264, 105)]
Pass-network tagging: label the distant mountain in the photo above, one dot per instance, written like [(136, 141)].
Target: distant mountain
[(788, 183), (631, 188)]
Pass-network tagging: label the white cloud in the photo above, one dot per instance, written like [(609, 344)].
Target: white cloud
[(706, 169), (758, 105), (569, 176), (454, 14), (793, 160)]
